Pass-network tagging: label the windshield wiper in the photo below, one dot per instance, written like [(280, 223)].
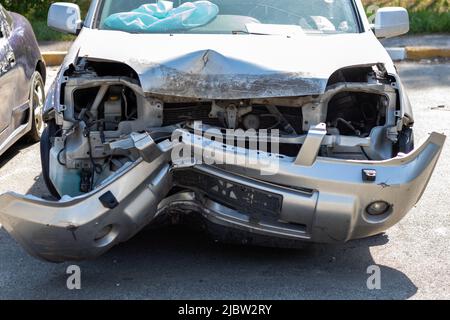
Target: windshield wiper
[(246, 32)]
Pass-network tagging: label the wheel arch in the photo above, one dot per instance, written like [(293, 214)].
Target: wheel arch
[(41, 68)]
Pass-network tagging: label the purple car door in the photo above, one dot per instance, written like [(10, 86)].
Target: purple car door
[(8, 79)]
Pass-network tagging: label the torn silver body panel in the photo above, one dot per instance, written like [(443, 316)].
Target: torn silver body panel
[(225, 66), (324, 202), (85, 227)]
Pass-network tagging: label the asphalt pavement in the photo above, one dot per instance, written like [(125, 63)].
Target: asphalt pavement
[(429, 40), (178, 263)]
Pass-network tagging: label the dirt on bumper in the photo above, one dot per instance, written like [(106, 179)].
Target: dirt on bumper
[(325, 202)]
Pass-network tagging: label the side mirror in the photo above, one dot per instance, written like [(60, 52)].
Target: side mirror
[(391, 22), (65, 17)]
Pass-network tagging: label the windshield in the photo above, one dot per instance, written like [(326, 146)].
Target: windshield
[(229, 16)]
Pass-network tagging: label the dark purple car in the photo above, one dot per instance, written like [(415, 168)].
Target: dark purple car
[(22, 78)]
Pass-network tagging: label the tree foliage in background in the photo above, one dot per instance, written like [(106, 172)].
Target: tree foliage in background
[(37, 9)]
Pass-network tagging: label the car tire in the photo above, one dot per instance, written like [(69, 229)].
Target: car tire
[(406, 141), (46, 145), (37, 101)]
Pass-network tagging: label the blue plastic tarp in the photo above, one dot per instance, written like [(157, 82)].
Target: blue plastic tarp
[(163, 17)]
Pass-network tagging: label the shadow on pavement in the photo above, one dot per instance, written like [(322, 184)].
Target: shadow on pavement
[(14, 150), (39, 188), (176, 262)]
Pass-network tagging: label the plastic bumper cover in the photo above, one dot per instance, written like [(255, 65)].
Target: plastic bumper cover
[(324, 202)]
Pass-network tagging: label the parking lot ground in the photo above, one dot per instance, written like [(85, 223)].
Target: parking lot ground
[(178, 263)]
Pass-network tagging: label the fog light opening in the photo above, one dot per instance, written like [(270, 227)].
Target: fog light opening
[(106, 236), (378, 208)]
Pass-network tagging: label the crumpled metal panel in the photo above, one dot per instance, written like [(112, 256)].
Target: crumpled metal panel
[(201, 75), (231, 66)]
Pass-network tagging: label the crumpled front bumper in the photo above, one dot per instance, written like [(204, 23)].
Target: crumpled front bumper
[(325, 202)]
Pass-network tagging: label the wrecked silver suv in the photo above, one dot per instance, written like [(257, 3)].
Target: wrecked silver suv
[(271, 122)]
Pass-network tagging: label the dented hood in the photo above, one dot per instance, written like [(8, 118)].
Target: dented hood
[(231, 66)]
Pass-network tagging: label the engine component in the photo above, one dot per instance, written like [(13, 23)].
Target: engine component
[(109, 121), (113, 109), (232, 116), (251, 122), (283, 122), (86, 181)]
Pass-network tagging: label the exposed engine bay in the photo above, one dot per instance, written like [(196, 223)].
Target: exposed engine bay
[(105, 110)]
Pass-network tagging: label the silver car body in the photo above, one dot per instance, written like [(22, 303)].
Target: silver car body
[(311, 196)]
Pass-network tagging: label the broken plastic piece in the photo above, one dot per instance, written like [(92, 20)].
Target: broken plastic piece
[(311, 147), (143, 143)]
